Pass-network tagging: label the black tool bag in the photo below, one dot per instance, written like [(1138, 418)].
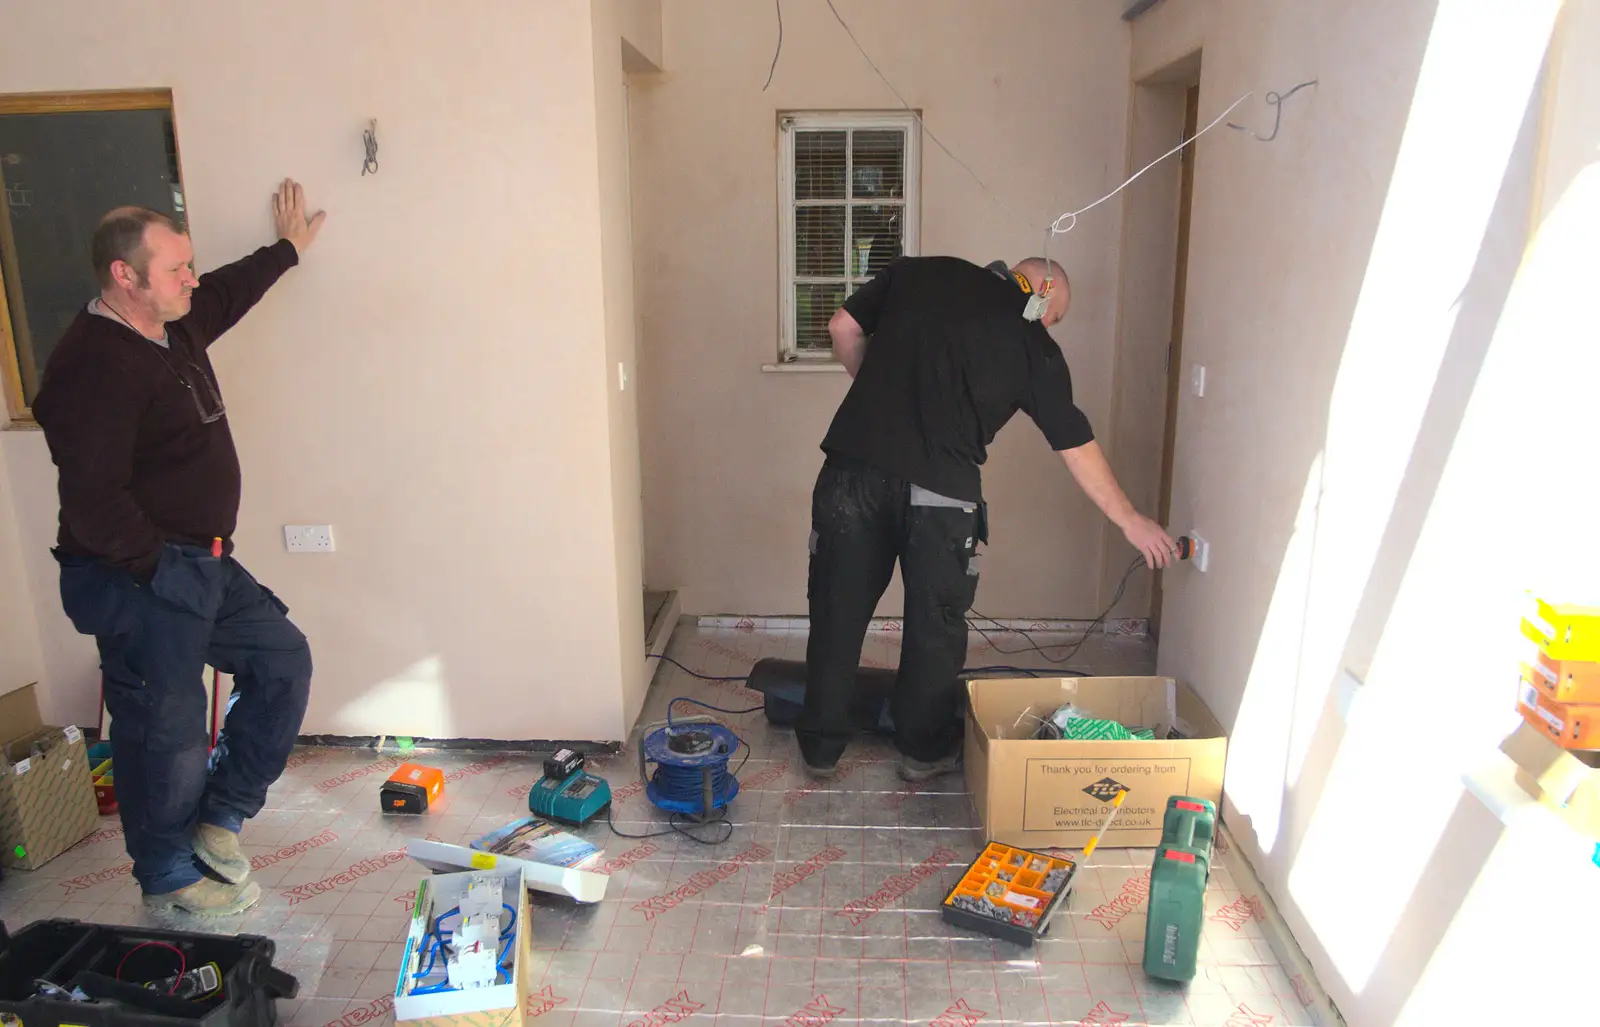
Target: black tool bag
[(66, 972), (783, 686)]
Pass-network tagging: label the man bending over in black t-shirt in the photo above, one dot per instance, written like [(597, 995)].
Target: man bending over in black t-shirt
[(951, 358)]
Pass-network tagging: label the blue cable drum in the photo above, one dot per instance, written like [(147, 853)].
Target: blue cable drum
[(691, 775)]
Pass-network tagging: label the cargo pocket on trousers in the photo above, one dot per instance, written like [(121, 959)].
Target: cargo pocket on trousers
[(268, 594), (188, 582)]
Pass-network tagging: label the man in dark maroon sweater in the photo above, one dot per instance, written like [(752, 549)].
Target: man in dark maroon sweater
[(149, 486)]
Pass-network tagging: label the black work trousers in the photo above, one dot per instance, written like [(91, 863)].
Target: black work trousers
[(862, 520)]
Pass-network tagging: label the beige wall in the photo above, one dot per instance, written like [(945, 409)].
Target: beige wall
[(622, 407), (437, 380), (1361, 464), (68, 662), (21, 662), (1144, 316), (639, 24), (1037, 105)]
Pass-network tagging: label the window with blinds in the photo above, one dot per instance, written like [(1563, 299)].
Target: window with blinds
[(849, 193)]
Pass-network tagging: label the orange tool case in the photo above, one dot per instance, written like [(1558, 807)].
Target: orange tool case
[(411, 789)]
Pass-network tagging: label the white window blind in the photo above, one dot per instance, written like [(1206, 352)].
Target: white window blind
[(849, 199)]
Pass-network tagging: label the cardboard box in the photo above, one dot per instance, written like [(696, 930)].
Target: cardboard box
[(1564, 781), (1041, 794), (47, 802), (1565, 681), (498, 1005), (1571, 727)]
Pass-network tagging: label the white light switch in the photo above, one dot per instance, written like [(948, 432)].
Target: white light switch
[(1202, 552), (1197, 380), (308, 538), (622, 377)]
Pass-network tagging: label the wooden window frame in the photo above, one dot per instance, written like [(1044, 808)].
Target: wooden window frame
[(789, 352), (12, 349)]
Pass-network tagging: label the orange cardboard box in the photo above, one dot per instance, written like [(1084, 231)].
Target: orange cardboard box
[(1565, 681), (1568, 725)]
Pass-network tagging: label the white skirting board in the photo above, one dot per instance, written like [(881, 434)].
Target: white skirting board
[(1126, 627)]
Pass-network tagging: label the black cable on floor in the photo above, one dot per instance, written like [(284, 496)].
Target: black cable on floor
[(675, 825), (1073, 650), (706, 705), (1032, 672), (693, 673)]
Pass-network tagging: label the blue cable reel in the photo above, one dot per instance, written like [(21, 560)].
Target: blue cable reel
[(691, 756)]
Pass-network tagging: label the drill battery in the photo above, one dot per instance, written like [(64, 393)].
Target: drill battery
[(412, 788)]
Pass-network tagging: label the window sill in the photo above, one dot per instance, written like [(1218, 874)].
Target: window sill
[(805, 367)]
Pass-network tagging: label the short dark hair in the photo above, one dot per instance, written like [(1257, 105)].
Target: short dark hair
[(120, 236)]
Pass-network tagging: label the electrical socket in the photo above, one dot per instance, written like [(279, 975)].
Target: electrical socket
[(308, 538), (1202, 552)]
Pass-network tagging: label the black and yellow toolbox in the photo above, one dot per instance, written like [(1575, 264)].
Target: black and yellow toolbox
[(1010, 893), (66, 973)]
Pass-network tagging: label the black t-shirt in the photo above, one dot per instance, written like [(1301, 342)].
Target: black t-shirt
[(949, 360)]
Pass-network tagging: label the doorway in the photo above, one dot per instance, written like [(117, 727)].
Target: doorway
[(1149, 365), (1175, 365)]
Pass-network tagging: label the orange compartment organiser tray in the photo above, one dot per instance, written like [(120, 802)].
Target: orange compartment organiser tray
[(1010, 893)]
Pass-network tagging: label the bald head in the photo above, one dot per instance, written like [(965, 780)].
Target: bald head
[(1059, 291)]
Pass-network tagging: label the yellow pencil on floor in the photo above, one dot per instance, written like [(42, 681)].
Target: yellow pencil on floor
[(1116, 804)]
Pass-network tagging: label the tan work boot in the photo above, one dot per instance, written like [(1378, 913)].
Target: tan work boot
[(218, 848), (206, 897), (918, 770)]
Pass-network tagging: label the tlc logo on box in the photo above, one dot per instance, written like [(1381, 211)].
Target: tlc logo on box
[(1106, 790)]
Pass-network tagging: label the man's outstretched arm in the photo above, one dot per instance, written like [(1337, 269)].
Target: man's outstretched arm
[(1093, 474), (849, 340), (227, 294)]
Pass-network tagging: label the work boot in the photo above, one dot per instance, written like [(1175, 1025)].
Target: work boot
[(206, 897), (821, 773), (917, 770), (218, 848)]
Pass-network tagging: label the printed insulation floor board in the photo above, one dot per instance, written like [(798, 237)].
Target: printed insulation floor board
[(822, 908)]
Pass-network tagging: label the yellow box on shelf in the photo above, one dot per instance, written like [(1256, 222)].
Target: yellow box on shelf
[(1565, 631)]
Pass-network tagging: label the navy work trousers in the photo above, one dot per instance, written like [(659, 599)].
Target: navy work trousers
[(155, 640)]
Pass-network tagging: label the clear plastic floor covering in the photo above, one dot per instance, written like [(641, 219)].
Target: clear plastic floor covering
[(781, 933)]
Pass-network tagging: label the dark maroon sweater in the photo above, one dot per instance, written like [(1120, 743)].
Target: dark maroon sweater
[(138, 466)]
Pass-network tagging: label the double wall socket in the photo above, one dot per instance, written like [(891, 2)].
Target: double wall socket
[(308, 538)]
